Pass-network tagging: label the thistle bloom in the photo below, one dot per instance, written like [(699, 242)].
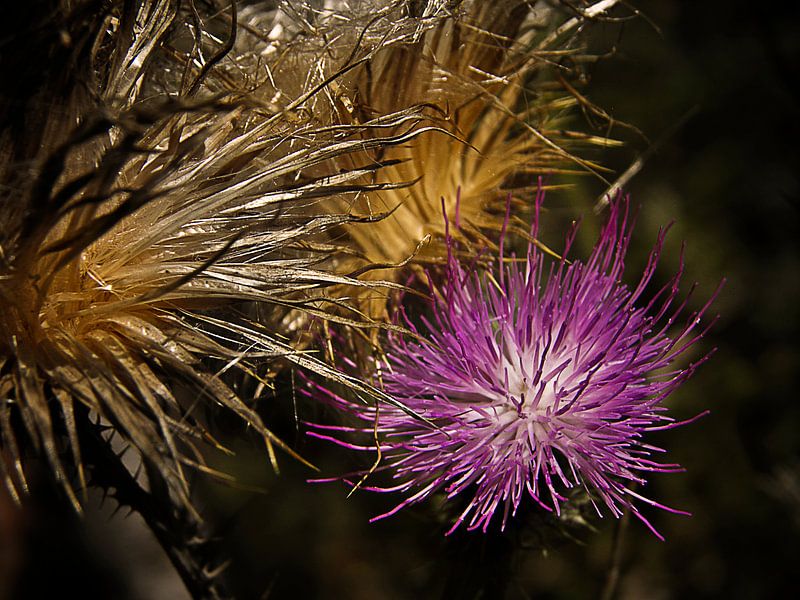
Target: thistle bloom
[(540, 377)]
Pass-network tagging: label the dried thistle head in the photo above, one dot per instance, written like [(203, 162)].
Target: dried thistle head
[(492, 80), (168, 202)]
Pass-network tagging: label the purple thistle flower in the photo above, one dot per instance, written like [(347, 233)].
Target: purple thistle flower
[(539, 379)]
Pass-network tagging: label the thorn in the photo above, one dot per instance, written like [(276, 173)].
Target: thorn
[(214, 573), (116, 510)]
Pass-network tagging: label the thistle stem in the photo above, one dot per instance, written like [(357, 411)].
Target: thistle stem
[(178, 532)]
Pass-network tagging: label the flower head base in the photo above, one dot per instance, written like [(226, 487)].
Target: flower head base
[(541, 379)]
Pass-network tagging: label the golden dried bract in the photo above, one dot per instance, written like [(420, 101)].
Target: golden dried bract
[(491, 79), (159, 217)]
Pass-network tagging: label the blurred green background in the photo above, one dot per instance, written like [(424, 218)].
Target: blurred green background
[(728, 176)]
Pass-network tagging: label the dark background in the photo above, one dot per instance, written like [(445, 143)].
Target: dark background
[(721, 77)]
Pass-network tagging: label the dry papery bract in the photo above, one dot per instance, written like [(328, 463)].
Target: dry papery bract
[(491, 77), (158, 213)]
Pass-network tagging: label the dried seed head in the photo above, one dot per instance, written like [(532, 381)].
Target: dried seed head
[(168, 203), (487, 75)]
